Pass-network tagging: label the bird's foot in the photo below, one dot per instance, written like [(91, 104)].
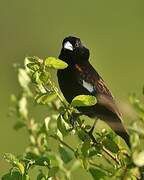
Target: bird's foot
[(74, 119)]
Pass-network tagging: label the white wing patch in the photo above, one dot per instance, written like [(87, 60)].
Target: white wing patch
[(68, 45), (88, 86)]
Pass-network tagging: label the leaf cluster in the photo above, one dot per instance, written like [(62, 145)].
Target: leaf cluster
[(101, 154)]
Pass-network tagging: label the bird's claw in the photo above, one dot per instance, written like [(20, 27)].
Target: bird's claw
[(74, 119)]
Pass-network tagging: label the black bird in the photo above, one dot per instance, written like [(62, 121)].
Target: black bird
[(80, 78)]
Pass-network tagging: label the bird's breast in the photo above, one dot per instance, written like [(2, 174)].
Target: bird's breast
[(69, 84)]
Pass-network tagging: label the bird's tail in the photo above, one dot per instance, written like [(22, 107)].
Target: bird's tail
[(125, 136), (115, 122), (112, 119)]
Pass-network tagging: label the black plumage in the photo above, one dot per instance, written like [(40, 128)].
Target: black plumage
[(80, 78)]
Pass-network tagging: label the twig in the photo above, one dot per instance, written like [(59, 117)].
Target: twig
[(99, 167), (103, 148), (124, 173), (62, 142), (89, 134), (111, 155), (54, 106), (56, 91)]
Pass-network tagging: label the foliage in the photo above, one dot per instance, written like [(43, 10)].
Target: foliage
[(100, 154)]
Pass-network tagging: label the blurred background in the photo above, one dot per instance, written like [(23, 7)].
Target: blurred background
[(113, 31)]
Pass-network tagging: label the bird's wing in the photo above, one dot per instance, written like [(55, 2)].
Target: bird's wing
[(95, 85)]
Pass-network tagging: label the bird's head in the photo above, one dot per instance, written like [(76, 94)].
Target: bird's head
[(73, 51)]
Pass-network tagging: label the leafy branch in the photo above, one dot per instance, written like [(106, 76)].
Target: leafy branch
[(100, 153)]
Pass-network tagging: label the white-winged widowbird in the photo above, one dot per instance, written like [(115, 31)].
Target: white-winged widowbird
[(80, 78)]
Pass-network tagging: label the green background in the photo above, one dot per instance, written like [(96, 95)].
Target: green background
[(112, 29)]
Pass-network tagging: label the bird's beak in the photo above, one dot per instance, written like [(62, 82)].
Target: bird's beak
[(68, 45)]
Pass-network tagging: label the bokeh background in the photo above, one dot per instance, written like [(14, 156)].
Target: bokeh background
[(113, 30)]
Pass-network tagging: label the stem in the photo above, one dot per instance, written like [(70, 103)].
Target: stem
[(124, 173), (54, 106), (56, 91), (90, 135), (103, 148), (99, 167), (111, 155), (63, 143)]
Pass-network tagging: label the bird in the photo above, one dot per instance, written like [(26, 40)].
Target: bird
[(81, 78)]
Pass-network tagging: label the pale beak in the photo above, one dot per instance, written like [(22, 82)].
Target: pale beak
[(68, 46)]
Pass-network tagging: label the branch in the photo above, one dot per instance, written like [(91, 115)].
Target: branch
[(90, 135), (99, 167), (103, 148), (62, 142)]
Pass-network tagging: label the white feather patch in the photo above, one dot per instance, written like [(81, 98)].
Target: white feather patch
[(68, 46), (88, 86)]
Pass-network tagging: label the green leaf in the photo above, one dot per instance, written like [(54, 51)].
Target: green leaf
[(54, 161), (22, 107), (134, 173), (10, 158), (24, 80), (66, 154), (26, 177), (83, 100), (43, 160), (45, 98), (46, 123), (59, 134), (21, 167), (137, 128), (13, 98), (41, 176), (14, 175), (33, 59), (135, 141), (86, 147), (97, 174), (53, 171), (85, 163), (136, 102), (33, 66), (18, 125), (44, 77), (15, 162), (55, 63), (36, 77), (76, 164), (138, 158), (95, 151), (63, 126), (110, 145), (82, 135), (41, 89)]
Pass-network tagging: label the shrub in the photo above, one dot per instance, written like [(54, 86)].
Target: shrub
[(100, 154)]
